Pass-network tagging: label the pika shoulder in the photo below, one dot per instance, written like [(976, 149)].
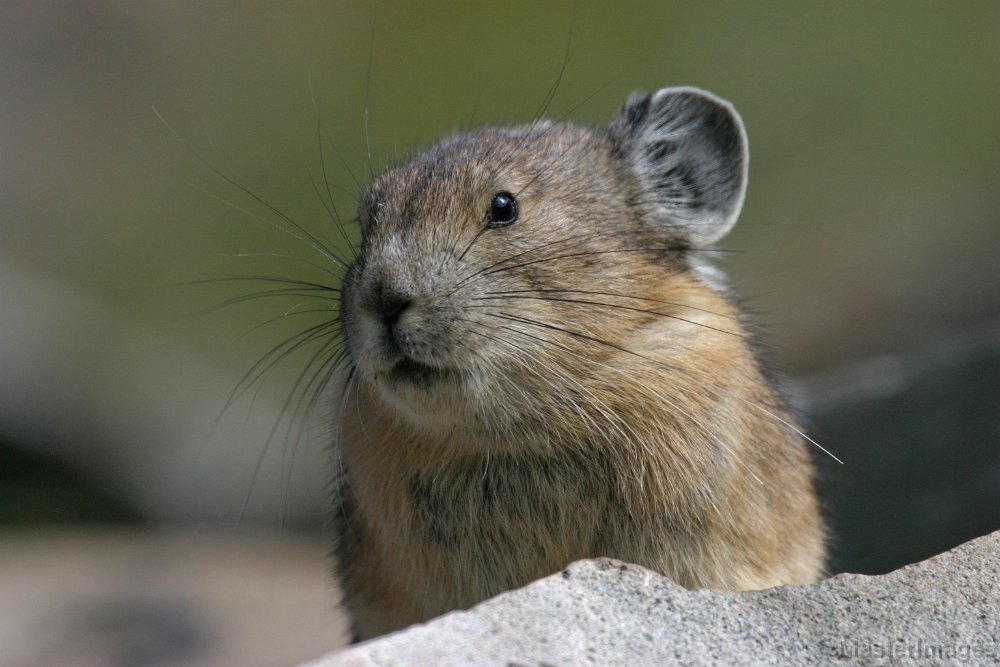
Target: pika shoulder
[(545, 367)]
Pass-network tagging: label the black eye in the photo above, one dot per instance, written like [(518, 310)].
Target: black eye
[(503, 210)]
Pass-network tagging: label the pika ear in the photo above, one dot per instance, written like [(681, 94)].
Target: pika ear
[(688, 151)]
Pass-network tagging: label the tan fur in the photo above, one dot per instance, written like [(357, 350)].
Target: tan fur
[(661, 445)]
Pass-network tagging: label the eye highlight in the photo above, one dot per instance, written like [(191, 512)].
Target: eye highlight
[(503, 210)]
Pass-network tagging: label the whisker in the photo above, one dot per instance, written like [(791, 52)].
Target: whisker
[(591, 253), (564, 155), (546, 101), (303, 235), (553, 327), (253, 278), (288, 313), (334, 215), (326, 371), (469, 277), (557, 389), (611, 416), (716, 390), (615, 294), (711, 434), (347, 191), (611, 305), (255, 374), (293, 258), (275, 356), (301, 293), (482, 229), (785, 422), (332, 209), (368, 89), (300, 415)]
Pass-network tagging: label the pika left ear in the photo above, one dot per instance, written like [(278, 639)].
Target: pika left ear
[(688, 151)]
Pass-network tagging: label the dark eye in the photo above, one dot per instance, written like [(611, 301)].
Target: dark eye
[(503, 210)]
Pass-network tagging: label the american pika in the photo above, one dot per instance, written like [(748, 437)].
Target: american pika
[(544, 366)]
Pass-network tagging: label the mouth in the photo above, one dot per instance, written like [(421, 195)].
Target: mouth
[(413, 372)]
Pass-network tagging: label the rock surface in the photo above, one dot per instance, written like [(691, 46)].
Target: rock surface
[(945, 611)]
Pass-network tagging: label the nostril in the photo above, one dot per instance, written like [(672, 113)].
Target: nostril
[(389, 304), (392, 307)]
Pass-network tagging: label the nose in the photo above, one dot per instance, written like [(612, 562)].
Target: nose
[(388, 303)]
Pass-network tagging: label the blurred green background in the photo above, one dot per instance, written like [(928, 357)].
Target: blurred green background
[(870, 227)]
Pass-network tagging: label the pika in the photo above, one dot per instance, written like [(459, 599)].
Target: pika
[(545, 366)]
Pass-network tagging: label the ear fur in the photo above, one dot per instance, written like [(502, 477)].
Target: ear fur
[(688, 150)]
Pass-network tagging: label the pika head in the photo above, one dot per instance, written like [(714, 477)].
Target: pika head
[(486, 253)]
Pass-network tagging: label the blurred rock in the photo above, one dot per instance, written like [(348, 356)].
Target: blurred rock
[(942, 611), (919, 434), (132, 411), (84, 598)]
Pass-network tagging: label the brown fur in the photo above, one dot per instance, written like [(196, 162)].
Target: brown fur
[(633, 423)]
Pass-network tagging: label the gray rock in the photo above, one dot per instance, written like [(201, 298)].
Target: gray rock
[(943, 611)]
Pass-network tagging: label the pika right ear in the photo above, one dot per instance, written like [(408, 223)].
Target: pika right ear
[(688, 151)]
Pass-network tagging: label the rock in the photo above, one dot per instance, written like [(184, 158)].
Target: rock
[(945, 611)]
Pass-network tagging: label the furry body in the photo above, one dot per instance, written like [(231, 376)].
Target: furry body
[(568, 384)]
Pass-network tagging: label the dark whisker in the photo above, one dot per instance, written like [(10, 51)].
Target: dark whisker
[(368, 90), (614, 294), (325, 372), (306, 237), (611, 305), (540, 339), (275, 356), (469, 277), (546, 101), (475, 238), (577, 334), (299, 416), (270, 438), (294, 258), (711, 434), (567, 152), (316, 245), (285, 292), (715, 390), (347, 191), (334, 215), (284, 316), (253, 278), (589, 253), (332, 209)]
